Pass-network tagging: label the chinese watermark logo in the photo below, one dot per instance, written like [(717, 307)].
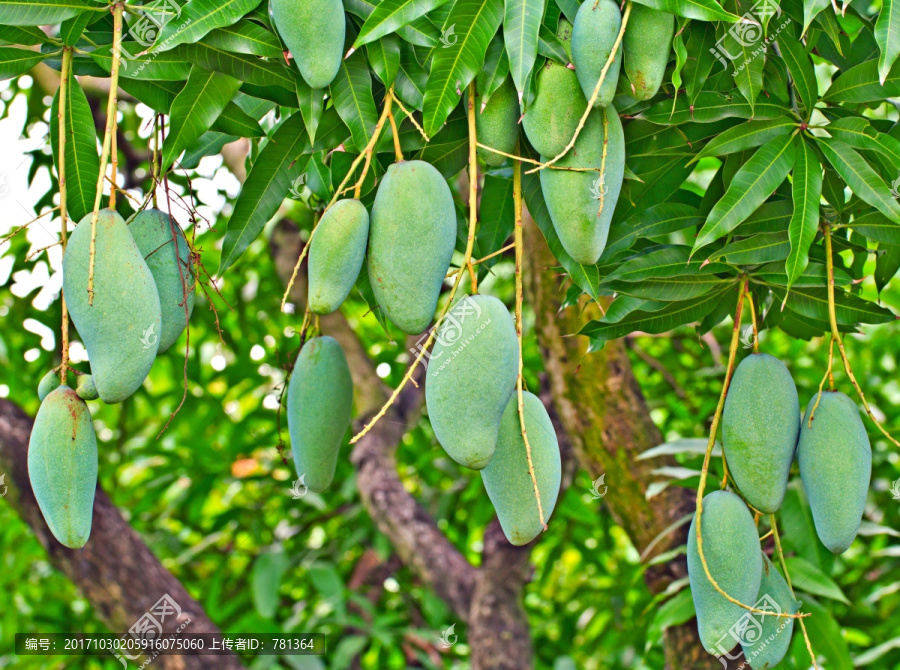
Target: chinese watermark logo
[(299, 488), (749, 33), (448, 636), (748, 632), (599, 187), (449, 37), (4, 487), (450, 329), (895, 187), (596, 485), (747, 337), (4, 187), (297, 186), (149, 626), (149, 338), (895, 489)]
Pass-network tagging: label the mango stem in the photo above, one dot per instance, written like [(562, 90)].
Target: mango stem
[(63, 212), (590, 105)]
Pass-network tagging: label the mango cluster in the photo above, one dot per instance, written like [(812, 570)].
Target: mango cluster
[(143, 294), (762, 432)]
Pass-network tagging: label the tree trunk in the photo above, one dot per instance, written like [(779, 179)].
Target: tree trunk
[(607, 421), (115, 570)]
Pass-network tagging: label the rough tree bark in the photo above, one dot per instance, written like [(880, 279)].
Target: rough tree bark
[(115, 570), (606, 418)]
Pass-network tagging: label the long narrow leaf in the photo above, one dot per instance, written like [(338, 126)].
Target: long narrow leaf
[(860, 177), (807, 192), (521, 25)]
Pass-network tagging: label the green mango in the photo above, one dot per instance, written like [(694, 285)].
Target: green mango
[(85, 388), (313, 31), (336, 254), (731, 549), (760, 427), (153, 233), (507, 479), (596, 27), (121, 330), (647, 44), (411, 240), (835, 467), (62, 466), (471, 374), (49, 382), (766, 639), (581, 204), (551, 119), (497, 124), (319, 407)]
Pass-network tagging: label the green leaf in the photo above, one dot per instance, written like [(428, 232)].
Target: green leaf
[(709, 107), (807, 193), (249, 69), (886, 265), (420, 32), (860, 177), (245, 37), (807, 577), (825, 637), (681, 287), (195, 109), (267, 185), (657, 220), (850, 309), (748, 77), (71, 30), (585, 276), (209, 144), (663, 261), (756, 249), (25, 35), (351, 91), (389, 15), (856, 132), (746, 136), (14, 62), (494, 71), (815, 275), (411, 78), (749, 188), (384, 57), (810, 9), (550, 46), (157, 95), (700, 46), (41, 12), (704, 10), (265, 580), (364, 286), (312, 102), (169, 66), (497, 217), (473, 24), (521, 25), (887, 35), (82, 160), (862, 83), (569, 8), (197, 18), (235, 121), (876, 226), (801, 68)]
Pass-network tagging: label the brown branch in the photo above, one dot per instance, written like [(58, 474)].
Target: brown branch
[(115, 570)]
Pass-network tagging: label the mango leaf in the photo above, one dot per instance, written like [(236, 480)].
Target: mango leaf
[(807, 577), (521, 25), (746, 136), (550, 46), (265, 580), (850, 309), (25, 35), (197, 18), (497, 218), (815, 275), (245, 37), (800, 66), (352, 94), (472, 24), (886, 265), (810, 9), (709, 106), (876, 226), (14, 62), (856, 132), (248, 69), (312, 102), (389, 15), (704, 10), (384, 57), (862, 83), (82, 160), (701, 46), (681, 287), (887, 34), (756, 249), (267, 185), (671, 316), (420, 32), (169, 66), (364, 286), (209, 144), (657, 220), (195, 109), (860, 177), (807, 192), (494, 71), (411, 78), (662, 261), (71, 30), (41, 12), (749, 188), (825, 637)]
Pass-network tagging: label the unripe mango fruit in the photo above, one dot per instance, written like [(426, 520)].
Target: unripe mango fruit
[(497, 125), (835, 467), (85, 388), (766, 639), (49, 382), (411, 240), (313, 31), (471, 375), (581, 204), (760, 427), (62, 466), (551, 119), (647, 44), (731, 550), (336, 254), (507, 478), (596, 27), (319, 406), (121, 329), (153, 232)]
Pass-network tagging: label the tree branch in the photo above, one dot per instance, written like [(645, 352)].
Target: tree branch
[(115, 570)]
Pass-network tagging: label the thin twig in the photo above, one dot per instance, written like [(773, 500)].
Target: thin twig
[(63, 211), (411, 118)]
